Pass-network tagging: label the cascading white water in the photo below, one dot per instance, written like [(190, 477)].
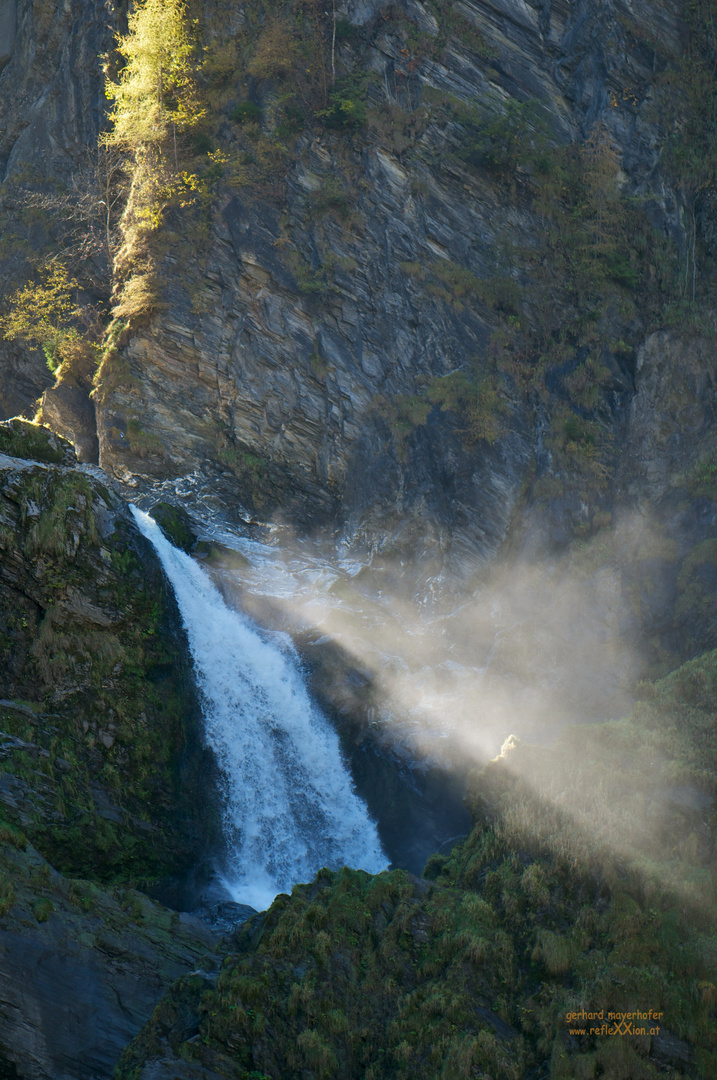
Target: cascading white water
[(289, 804)]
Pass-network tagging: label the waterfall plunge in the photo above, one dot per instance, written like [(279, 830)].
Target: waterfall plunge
[(289, 806)]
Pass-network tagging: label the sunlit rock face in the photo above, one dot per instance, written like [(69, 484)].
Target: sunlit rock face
[(295, 379), (270, 370), (269, 367)]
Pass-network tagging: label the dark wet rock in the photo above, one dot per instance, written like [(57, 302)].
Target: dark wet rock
[(176, 525), (172, 1068), (8, 19), (176, 1025), (82, 968), (672, 415), (227, 916), (671, 1052), (71, 412)]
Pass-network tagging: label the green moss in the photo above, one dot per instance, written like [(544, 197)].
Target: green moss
[(434, 866), (454, 23), (43, 909), (691, 101), (705, 553), (246, 112), (250, 469), (83, 894), (10, 834), (476, 401), (500, 143), (143, 443), (319, 366), (107, 791), (331, 196), (701, 479), (586, 383), (309, 280), (20, 438), (176, 525), (346, 106), (7, 894), (471, 396), (57, 511)]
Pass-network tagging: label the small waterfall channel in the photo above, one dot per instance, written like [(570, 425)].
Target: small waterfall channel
[(289, 803)]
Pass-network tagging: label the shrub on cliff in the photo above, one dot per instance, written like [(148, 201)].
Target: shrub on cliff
[(47, 313)]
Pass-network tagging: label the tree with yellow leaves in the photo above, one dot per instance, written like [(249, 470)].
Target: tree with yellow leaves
[(154, 98), (45, 313), (155, 93)]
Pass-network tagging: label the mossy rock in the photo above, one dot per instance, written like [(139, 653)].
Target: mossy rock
[(22, 439), (107, 762), (176, 525), (220, 555)]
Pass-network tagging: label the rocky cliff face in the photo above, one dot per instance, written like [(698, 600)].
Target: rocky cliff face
[(310, 321), (52, 106), (299, 363), (82, 967)]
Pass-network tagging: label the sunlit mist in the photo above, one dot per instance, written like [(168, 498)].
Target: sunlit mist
[(449, 671)]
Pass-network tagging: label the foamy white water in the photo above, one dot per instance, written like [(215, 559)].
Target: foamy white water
[(289, 806)]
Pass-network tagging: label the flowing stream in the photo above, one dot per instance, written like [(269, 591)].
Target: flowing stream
[(289, 803)]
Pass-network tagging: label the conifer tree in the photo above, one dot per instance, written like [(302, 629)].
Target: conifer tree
[(154, 98), (155, 94)]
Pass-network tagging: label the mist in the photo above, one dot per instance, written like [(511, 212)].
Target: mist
[(522, 648)]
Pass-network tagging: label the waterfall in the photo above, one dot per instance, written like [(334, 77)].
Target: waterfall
[(289, 804)]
